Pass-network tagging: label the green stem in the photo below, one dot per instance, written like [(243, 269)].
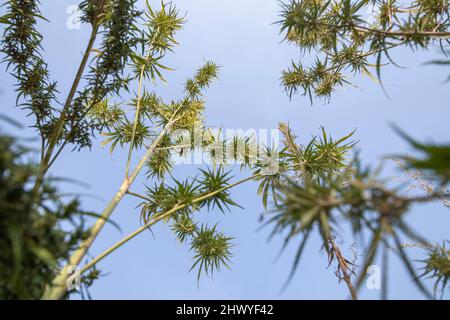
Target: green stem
[(136, 120), (140, 196), (73, 129)]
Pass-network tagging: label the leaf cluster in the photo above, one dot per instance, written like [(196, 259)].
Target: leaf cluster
[(208, 190), (21, 46), (117, 25), (341, 192), (437, 266)]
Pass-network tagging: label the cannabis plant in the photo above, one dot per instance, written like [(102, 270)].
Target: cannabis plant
[(132, 51), (36, 236), (304, 187)]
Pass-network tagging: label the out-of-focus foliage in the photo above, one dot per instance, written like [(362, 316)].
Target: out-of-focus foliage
[(35, 237), (211, 247), (350, 38), (113, 21), (435, 160), (326, 191), (435, 165)]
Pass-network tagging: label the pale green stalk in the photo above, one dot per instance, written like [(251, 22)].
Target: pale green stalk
[(157, 218), (138, 109), (58, 287)]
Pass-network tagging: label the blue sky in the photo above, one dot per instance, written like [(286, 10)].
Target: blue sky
[(240, 36)]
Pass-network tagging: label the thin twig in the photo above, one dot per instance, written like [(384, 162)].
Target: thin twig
[(343, 267)]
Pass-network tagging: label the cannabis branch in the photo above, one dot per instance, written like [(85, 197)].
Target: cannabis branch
[(316, 186)]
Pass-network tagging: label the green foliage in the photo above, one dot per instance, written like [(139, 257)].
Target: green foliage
[(321, 156), (202, 80), (242, 150), (209, 191), (187, 111), (160, 164), (212, 250), (327, 194), (435, 164), (216, 181), (35, 237), (159, 37), (157, 198), (123, 34), (122, 133), (107, 114), (114, 21), (164, 197), (162, 26), (152, 106), (269, 181), (346, 45), (353, 196), (22, 48), (435, 159), (317, 160), (151, 67), (143, 44), (106, 75)]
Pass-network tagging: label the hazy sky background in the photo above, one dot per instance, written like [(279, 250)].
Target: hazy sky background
[(241, 37)]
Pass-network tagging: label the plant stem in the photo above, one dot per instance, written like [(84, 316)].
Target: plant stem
[(136, 120), (138, 107), (53, 140), (73, 129), (157, 218)]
